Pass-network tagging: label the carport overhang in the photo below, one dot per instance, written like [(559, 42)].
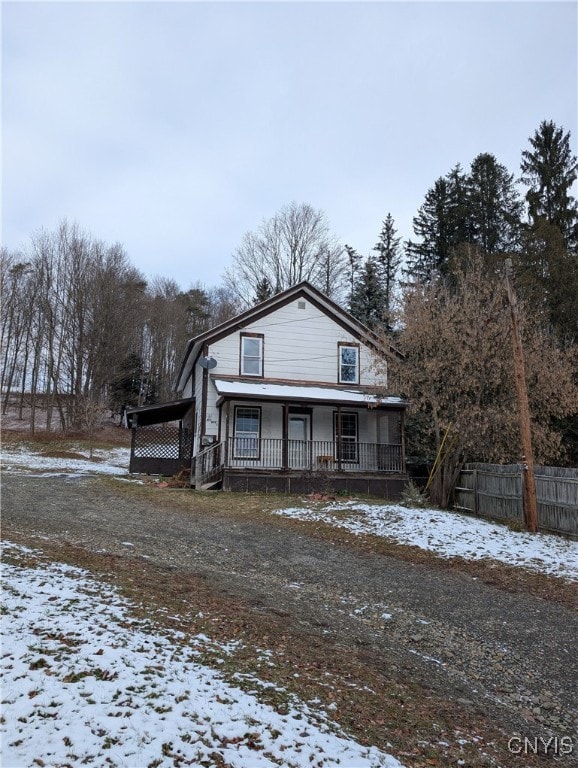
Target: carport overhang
[(159, 413)]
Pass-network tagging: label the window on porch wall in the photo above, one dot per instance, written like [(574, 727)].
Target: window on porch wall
[(247, 428), (346, 424)]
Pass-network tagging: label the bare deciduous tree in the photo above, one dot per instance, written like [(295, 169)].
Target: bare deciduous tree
[(294, 245), (72, 317), (458, 374)]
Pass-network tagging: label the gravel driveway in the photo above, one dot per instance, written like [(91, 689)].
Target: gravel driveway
[(510, 656)]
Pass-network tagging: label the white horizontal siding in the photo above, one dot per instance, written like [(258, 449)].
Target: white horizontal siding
[(321, 420), (299, 345)]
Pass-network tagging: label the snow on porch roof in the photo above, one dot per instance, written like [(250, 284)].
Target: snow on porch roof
[(257, 390)]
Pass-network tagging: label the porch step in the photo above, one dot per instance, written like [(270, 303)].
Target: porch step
[(212, 485)]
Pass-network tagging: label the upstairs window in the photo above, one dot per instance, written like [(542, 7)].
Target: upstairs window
[(251, 355), (348, 364)]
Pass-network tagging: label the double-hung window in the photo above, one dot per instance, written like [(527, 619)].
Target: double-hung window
[(345, 436), (251, 355), (247, 428), (348, 364)]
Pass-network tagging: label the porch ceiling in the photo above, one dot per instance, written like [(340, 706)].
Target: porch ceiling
[(261, 390), (159, 413)]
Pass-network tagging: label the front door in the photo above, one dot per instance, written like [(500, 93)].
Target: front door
[(298, 440)]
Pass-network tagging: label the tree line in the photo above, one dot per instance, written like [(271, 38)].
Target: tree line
[(80, 325), (82, 331)]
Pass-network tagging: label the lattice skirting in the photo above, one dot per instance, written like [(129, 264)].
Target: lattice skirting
[(160, 449)]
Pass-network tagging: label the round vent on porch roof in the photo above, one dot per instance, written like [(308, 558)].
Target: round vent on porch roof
[(208, 362)]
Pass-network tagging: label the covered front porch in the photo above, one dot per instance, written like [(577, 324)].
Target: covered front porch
[(286, 437), (297, 466)]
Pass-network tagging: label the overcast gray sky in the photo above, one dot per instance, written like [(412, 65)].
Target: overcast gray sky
[(174, 128)]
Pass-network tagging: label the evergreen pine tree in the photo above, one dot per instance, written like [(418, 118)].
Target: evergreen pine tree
[(389, 260), (548, 278), (459, 211), (354, 259), (263, 291), (368, 296), (550, 169), (435, 228), (494, 206)]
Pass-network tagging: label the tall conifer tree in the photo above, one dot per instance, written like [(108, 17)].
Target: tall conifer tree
[(354, 260), (389, 260), (433, 225), (550, 169), (368, 296), (494, 206)]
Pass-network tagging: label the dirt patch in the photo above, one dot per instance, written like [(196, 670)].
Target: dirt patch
[(260, 506), (458, 668)]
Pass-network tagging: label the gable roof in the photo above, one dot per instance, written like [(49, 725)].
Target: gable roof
[(240, 321)]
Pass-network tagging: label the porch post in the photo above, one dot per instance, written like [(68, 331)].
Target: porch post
[(227, 417), (339, 440), (133, 440), (402, 427), (285, 458)]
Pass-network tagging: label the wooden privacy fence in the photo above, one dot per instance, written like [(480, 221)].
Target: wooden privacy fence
[(495, 491)]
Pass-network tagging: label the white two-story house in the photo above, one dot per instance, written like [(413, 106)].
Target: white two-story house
[(283, 398)]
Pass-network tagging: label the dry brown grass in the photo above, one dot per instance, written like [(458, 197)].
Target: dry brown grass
[(259, 507), (107, 437)]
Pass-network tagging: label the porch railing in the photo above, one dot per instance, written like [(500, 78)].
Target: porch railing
[(307, 455), (207, 465)]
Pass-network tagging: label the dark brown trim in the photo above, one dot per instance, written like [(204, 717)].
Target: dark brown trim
[(302, 290), (256, 408), (159, 413), (227, 427), (261, 397), (338, 435), (388, 486), (368, 389), (245, 335), (352, 345), (402, 430), (285, 435), (203, 424)]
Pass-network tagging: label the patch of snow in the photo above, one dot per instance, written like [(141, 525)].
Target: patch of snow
[(23, 460), (85, 683), (448, 534), (427, 658)]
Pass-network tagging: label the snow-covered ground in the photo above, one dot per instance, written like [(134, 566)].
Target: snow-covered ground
[(22, 459), (448, 534), (84, 683)]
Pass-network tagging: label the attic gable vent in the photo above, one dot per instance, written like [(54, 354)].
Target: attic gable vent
[(301, 304)]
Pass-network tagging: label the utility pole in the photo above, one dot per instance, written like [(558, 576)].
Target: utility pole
[(529, 489)]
